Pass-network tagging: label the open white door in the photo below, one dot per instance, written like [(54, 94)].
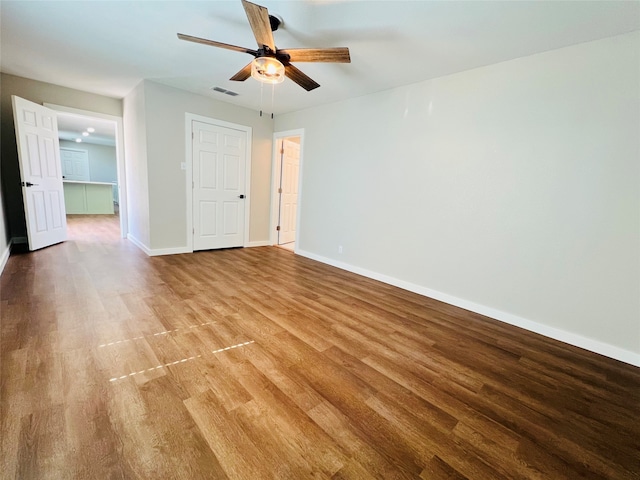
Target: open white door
[(289, 172), (40, 172)]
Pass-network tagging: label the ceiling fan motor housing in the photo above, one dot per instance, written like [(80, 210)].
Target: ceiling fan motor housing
[(275, 22), (265, 51)]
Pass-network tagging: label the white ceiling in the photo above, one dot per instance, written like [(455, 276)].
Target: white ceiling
[(71, 127), (107, 47)]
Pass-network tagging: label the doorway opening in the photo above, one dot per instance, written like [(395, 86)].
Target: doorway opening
[(287, 158), (92, 157)]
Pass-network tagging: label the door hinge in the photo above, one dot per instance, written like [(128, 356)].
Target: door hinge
[(278, 228), (279, 190), (192, 137)]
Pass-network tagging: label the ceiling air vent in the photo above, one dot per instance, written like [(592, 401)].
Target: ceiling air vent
[(225, 91)]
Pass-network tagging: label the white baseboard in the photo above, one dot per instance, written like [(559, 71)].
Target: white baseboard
[(154, 252), (576, 340), (138, 244), (4, 257), (180, 250), (260, 243)]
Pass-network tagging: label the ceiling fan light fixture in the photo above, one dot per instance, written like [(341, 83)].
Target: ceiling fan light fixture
[(267, 66), (267, 70)]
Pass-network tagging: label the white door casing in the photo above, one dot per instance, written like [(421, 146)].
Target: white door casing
[(278, 137), (40, 172), (289, 172), (75, 164), (218, 186)]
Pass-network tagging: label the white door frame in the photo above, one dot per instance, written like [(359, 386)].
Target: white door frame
[(122, 181), (188, 166), (275, 184)]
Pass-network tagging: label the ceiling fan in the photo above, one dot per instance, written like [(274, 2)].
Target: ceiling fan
[(271, 64)]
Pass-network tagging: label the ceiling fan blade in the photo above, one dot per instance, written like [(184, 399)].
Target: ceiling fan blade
[(300, 78), (258, 17), (336, 55), (243, 74), (212, 43)]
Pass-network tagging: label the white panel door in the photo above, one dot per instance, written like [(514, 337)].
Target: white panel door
[(218, 186), (40, 172), (290, 166), (75, 164)]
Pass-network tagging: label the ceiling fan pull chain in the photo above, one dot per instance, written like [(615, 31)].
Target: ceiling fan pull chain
[(273, 93), (261, 92)]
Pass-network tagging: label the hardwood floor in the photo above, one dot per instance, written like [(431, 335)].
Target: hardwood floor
[(257, 363)]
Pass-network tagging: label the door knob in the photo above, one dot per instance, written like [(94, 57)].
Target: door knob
[(240, 196), (29, 184)]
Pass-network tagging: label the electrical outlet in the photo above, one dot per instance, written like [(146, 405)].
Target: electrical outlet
[(339, 248)]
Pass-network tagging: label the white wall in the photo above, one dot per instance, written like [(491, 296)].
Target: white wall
[(4, 221), (511, 189), (5, 244), (165, 121), (135, 142)]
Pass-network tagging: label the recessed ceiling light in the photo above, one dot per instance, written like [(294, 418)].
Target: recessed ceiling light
[(91, 129), (78, 140), (85, 134)]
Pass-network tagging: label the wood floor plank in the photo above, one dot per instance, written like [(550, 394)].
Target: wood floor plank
[(237, 453), (349, 395), (362, 453), (258, 363), (13, 401), (42, 446), (93, 446)]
